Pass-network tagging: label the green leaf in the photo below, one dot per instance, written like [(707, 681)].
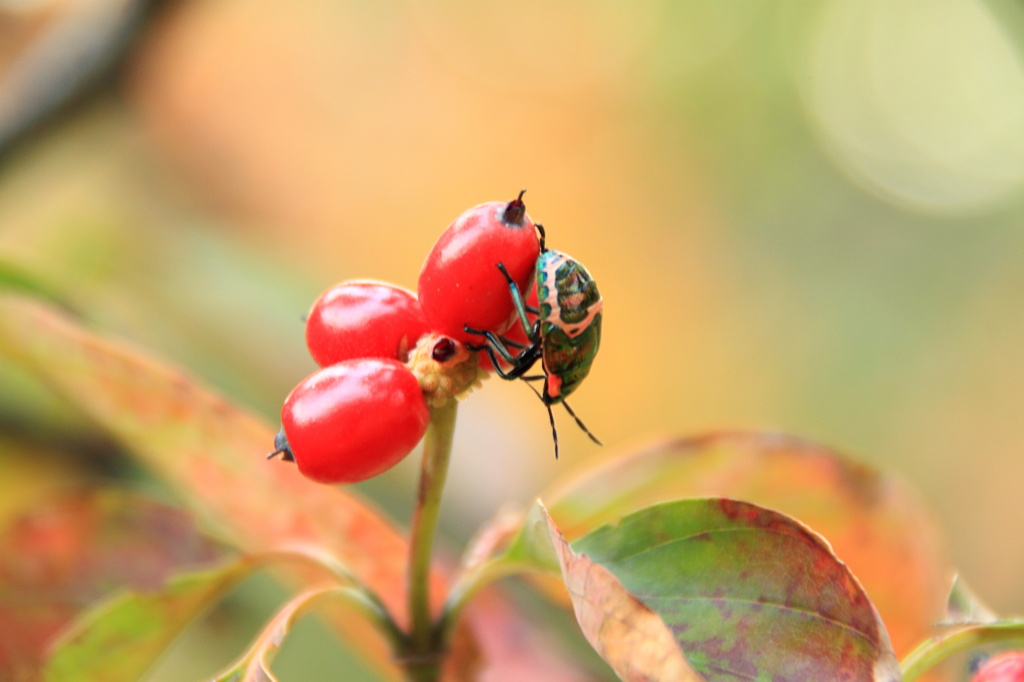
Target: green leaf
[(628, 635), (15, 278), (875, 523), (73, 549), (748, 592), (122, 637)]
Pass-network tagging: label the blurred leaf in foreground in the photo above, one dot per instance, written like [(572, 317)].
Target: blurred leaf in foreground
[(210, 452), (958, 639), (57, 559), (124, 635), (964, 606)]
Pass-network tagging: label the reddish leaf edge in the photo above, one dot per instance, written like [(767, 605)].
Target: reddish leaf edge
[(254, 663)]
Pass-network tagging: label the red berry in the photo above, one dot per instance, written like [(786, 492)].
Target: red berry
[(460, 283), (353, 420), (363, 319), (1006, 667)]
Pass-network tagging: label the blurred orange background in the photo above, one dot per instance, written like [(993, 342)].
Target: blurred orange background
[(803, 216)]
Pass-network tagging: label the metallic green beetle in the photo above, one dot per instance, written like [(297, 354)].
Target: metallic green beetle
[(565, 335)]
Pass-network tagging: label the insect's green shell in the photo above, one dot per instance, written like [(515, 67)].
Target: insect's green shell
[(570, 314)]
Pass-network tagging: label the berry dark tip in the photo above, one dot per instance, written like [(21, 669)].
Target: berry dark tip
[(282, 448), (286, 455), (443, 350), (515, 211)]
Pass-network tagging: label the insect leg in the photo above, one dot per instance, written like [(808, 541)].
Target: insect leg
[(495, 348), (494, 361), (551, 415), (517, 301), (492, 342), (554, 431), (579, 422)]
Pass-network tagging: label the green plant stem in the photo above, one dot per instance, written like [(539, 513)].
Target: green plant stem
[(934, 651), (437, 448)]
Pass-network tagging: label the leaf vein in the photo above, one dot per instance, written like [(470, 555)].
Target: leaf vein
[(792, 609)]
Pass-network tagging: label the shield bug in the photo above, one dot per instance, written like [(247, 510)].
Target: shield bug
[(564, 335)]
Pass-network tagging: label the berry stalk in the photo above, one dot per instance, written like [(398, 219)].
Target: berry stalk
[(423, 662)]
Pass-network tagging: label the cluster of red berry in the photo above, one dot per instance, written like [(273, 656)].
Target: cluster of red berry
[(386, 353)]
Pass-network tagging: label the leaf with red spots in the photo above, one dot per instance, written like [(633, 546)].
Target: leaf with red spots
[(874, 522), (748, 592)]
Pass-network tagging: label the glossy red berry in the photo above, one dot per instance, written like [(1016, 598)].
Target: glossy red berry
[(363, 319), (353, 420), (460, 283), (1006, 667)]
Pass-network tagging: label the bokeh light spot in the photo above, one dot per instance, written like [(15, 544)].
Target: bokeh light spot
[(921, 102)]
